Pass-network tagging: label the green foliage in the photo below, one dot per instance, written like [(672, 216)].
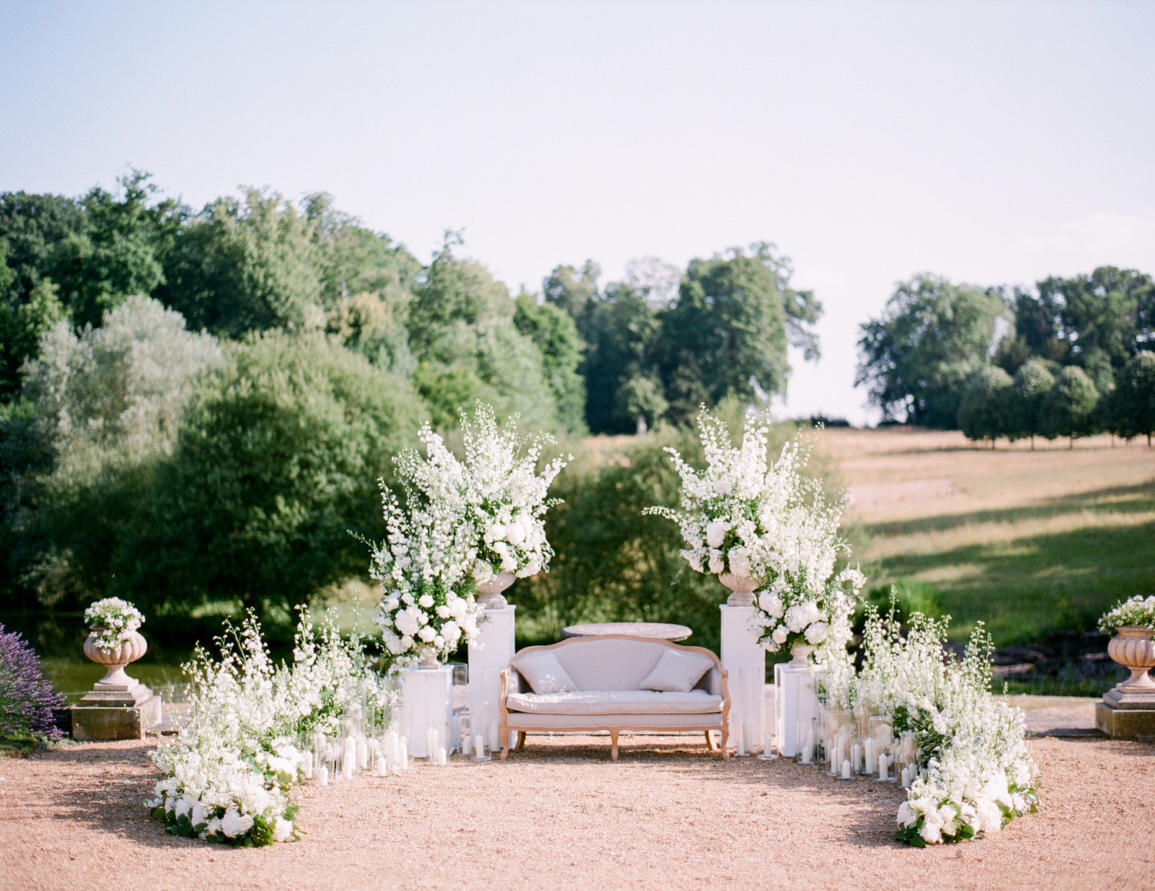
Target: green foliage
[(1030, 392), (620, 332), (273, 463), (933, 336), (22, 325), (248, 264), (728, 330), (1133, 401), (984, 412), (1070, 406), (556, 337)]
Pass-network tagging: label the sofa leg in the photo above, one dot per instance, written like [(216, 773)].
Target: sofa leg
[(725, 747), (520, 741), (710, 741), (613, 745)]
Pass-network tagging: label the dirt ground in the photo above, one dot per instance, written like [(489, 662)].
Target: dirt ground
[(560, 814)]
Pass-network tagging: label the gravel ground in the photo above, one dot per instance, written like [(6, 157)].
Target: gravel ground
[(667, 815)]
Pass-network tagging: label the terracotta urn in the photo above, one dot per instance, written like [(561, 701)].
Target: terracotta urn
[(130, 648), (1134, 649), (741, 586), (489, 592)]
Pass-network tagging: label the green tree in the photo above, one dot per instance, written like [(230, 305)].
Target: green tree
[(275, 460), (572, 292), (22, 325), (983, 411), (1029, 394), (1070, 405), (1133, 400), (556, 336), (933, 336), (620, 332), (728, 331), (248, 264)]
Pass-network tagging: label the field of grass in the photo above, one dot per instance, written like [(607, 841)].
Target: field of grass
[(1031, 542)]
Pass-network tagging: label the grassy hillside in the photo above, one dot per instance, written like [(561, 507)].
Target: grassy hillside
[(1031, 542)]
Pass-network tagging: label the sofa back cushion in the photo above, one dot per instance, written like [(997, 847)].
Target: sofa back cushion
[(545, 673), (677, 671), (606, 663)]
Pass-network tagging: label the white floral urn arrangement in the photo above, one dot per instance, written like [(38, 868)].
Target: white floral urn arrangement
[(113, 640), (1132, 624), (769, 534)]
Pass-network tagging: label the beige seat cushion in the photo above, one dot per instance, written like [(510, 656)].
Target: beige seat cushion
[(615, 702)]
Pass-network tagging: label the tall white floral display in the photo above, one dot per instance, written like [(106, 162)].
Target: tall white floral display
[(768, 534), (469, 527)]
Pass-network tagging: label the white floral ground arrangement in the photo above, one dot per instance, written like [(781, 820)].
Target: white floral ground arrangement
[(969, 767), (462, 521), (112, 620), (254, 729), (1135, 612)]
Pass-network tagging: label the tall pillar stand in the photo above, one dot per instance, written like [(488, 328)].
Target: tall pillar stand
[(488, 656), (745, 662), (796, 706)]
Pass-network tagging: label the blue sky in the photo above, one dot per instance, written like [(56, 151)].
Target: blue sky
[(990, 143)]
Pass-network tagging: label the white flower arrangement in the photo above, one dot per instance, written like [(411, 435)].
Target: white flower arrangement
[(1137, 612), (229, 771), (771, 523), (113, 620), (975, 771), (462, 523)]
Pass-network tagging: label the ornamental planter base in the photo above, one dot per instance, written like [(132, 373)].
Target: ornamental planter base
[(1127, 722)]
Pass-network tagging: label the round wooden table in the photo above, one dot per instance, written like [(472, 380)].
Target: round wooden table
[(636, 629)]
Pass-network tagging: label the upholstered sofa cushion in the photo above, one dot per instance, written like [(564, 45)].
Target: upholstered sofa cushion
[(677, 671), (544, 673), (616, 702)]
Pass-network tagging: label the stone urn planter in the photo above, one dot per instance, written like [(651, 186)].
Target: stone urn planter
[(1134, 649), (115, 660), (800, 655), (742, 588), (489, 592)]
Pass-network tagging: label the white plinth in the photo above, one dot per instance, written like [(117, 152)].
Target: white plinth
[(426, 702), (796, 706), (492, 652), (745, 661)]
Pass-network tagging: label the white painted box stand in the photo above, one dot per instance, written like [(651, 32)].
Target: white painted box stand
[(745, 661), (491, 653), (796, 706), (426, 703)]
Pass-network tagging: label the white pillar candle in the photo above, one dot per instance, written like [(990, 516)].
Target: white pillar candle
[(349, 758), (479, 747), (869, 755), (323, 776), (846, 769), (307, 764), (856, 757), (362, 753), (403, 754), (882, 765), (742, 743), (495, 736), (767, 744), (442, 757)]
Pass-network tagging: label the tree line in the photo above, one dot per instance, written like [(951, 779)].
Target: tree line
[(195, 405), (1069, 357)]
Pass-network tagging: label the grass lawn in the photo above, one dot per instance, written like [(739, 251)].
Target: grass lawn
[(1031, 542)]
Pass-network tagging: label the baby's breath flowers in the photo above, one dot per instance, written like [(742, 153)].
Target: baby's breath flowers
[(112, 620), (1137, 612)]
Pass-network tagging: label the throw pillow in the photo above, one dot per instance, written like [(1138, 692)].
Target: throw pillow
[(677, 671), (545, 674)]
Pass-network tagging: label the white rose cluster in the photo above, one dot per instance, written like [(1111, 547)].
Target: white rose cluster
[(426, 619)]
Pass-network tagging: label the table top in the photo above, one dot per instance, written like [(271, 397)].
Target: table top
[(637, 629)]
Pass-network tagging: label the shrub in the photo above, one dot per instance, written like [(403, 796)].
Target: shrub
[(27, 698)]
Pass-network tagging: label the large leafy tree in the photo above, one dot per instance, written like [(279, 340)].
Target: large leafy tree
[(1133, 401), (274, 462), (555, 335), (932, 337), (984, 412), (728, 330), (1070, 406), (1030, 393), (246, 264)]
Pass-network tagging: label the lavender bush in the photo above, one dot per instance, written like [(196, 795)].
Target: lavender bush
[(27, 698)]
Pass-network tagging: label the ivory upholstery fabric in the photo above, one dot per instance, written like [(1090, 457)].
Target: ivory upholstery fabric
[(616, 702)]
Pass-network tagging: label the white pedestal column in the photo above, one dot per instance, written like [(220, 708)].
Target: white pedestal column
[(796, 706), (426, 701), (492, 652), (745, 661)]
